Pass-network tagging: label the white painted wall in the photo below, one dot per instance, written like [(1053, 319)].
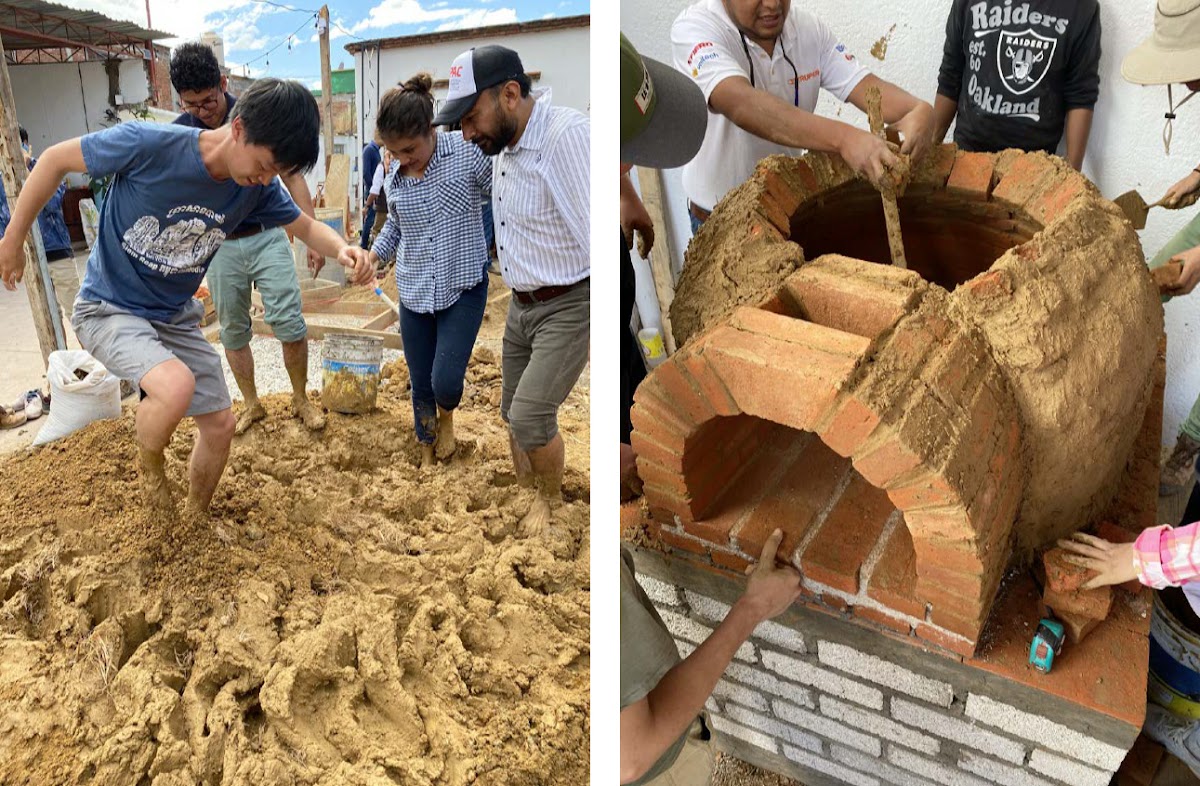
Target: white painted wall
[(1126, 149)]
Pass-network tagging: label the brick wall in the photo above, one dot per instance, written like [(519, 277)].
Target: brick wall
[(826, 701)]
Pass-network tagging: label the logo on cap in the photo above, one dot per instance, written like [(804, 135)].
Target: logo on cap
[(645, 94)]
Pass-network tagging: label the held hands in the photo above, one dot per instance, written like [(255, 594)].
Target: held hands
[(12, 261), (917, 129), (1181, 189), (771, 589), (357, 263), (1112, 562)]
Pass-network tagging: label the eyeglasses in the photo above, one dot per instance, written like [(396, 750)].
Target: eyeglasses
[(207, 104)]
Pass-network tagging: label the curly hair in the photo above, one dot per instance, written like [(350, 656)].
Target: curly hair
[(194, 67), (407, 110)]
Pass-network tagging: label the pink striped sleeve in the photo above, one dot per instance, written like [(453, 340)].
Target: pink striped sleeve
[(1166, 557)]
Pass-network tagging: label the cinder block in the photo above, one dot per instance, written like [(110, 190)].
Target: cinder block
[(659, 592), (1045, 732), (879, 725), (999, 773), (755, 738), (827, 681), (826, 727), (767, 682), (711, 705), (832, 769), (705, 607), (685, 648), (781, 636), (773, 726), (882, 672), (685, 628), (1068, 771), (930, 770), (742, 695), (959, 731), (860, 761)]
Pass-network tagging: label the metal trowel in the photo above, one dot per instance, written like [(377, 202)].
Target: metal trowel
[(1136, 209)]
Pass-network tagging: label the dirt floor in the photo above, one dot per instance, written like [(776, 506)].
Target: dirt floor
[(345, 617)]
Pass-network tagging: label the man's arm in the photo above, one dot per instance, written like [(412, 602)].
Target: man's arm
[(954, 60), (55, 164), (908, 114), (769, 117), (570, 183), (1079, 127), (651, 725), (299, 190), (634, 217), (319, 236), (944, 110)]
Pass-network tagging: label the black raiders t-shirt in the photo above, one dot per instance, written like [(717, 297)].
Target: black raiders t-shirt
[(1016, 68)]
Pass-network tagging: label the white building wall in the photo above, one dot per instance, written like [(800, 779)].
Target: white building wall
[(1125, 151)]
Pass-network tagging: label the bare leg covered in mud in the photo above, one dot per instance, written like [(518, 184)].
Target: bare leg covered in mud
[(295, 359), (211, 452), (542, 469), (241, 363), (168, 388), (445, 444)]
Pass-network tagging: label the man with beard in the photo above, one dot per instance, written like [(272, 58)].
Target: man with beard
[(540, 203)]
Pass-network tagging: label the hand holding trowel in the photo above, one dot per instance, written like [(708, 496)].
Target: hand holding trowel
[(1183, 194)]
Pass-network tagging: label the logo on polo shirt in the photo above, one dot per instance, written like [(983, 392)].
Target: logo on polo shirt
[(805, 77), (841, 48), (704, 59), (697, 48)]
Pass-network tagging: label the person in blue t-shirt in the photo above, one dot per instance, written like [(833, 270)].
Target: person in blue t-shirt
[(253, 255), (176, 194)]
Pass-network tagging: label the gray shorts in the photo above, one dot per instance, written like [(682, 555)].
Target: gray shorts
[(545, 350), (129, 346)]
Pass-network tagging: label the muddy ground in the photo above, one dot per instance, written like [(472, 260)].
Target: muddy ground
[(345, 617)]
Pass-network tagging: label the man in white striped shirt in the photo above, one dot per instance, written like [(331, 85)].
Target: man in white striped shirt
[(542, 213)]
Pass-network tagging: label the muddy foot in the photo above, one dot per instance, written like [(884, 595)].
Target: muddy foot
[(309, 413), (537, 521), (427, 456), (156, 491), (445, 444), (249, 417)]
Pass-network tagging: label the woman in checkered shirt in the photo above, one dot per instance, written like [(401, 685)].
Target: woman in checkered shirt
[(436, 190)]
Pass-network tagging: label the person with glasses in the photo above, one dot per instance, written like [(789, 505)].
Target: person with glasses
[(253, 255), (1017, 75), (760, 65)]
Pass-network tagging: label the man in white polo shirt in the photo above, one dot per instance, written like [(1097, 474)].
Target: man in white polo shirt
[(760, 65)]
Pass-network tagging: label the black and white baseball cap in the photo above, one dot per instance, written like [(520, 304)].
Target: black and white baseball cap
[(473, 72)]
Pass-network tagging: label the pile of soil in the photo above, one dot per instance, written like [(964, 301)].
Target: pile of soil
[(344, 617)]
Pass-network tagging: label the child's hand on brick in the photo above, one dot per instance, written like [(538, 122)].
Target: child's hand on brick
[(1112, 562), (772, 588)]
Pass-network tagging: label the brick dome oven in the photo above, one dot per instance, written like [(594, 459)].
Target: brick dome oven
[(910, 430)]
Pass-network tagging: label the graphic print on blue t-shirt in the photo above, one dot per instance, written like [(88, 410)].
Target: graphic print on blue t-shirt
[(164, 217)]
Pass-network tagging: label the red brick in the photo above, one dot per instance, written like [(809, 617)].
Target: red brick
[(1094, 603), (733, 562), (779, 381), (947, 523), (677, 389), (776, 190), (936, 167), (661, 498), (1061, 575), (848, 536), (652, 411), (836, 603), (1077, 625), (1114, 533), (631, 514), (960, 557), (683, 543), (889, 461), (861, 307), (812, 336), (971, 177), (893, 582), (992, 284), (798, 169), (885, 620), (745, 485), (773, 215), (967, 626), (656, 474), (667, 433), (793, 504), (706, 380), (1028, 176), (941, 587), (940, 638), (930, 491), (853, 422), (645, 447), (1053, 202)]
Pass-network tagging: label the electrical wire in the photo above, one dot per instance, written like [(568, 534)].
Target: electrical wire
[(309, 11), (285, 40)]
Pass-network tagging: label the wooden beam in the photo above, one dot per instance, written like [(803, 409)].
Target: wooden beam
[(47, 318), (651, 190), (391, 340), (383, 321), (326, 85)]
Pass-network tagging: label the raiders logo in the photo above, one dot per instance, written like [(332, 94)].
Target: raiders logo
[(1023, 59)]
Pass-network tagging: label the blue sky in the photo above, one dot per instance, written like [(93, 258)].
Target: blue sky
[(253, 27)]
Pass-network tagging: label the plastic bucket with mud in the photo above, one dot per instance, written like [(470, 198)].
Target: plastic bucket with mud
[(350, 367), (1174, 656)]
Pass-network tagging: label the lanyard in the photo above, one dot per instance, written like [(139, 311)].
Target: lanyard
[(795, 73), (1167, 129)]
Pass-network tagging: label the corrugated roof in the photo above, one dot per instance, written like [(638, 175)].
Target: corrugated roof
[(37, 24), (493, 31)]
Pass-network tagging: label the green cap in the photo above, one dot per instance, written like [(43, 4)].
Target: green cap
[(663, 113)]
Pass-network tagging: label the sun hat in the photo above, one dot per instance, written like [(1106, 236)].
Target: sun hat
[(663, 113), (1172, 54)]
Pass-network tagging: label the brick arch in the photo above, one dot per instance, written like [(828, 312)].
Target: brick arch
[(869, 360)]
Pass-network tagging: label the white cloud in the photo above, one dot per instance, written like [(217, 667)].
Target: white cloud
[(314, 85), (550, 15), (481, 18)]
